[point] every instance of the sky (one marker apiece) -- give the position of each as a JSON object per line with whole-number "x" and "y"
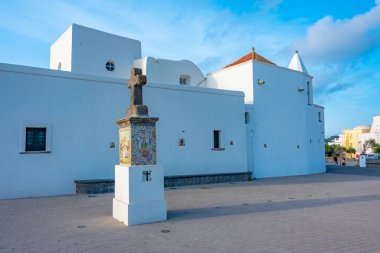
{"x": 338, "y": 41}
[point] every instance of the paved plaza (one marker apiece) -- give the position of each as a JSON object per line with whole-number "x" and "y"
{"x": 316, "y": 213}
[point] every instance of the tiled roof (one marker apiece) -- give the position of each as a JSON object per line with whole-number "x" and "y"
{"x": 250, "y": 56}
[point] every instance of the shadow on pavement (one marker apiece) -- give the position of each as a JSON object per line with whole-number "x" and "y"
{"x": 247, "y": 208}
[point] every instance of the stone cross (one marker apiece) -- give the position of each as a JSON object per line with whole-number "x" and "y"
{"x": 135, "y": 83}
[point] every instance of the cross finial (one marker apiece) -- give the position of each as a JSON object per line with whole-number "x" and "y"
{"x": 137, "y": 78}
{"x": 135, "y": 83}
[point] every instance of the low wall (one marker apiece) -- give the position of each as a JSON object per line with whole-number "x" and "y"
{"x": 373, "y": 163}
{"x": 108, "y": 185}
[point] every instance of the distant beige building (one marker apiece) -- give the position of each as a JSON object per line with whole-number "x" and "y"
{"x": 351, "y": 137}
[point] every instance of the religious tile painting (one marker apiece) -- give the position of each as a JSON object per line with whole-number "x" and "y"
{"x": 143, "y": 144}
{"x": 125, "y": 145}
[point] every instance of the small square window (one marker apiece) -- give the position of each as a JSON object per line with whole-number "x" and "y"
{"x": 182, "y": 81}
{"x": 35, "y": 139}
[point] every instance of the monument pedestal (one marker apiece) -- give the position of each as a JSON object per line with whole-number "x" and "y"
{"x": 139, "y": 182}
{"x": 139, "y": 194}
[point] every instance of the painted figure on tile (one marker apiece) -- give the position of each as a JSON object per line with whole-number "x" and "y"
{"x": 124, "y": 146}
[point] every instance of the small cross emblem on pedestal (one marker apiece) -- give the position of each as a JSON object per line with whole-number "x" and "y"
{"x": 147, "y": 175}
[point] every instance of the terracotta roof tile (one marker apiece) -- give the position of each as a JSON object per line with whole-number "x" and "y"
{"x": 250, "y": 56}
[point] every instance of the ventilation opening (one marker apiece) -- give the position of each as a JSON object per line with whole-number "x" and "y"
{"x": 217, "y": 139}
{"x": 247, "y": 117}
{"x": 184, "y": 79}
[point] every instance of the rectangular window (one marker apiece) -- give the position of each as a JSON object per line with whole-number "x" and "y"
{"x": 309, "y": 99}
{"x": 217, "y": 142}
{"x": 319, "y": 116}
{"x": 35, "y": 139}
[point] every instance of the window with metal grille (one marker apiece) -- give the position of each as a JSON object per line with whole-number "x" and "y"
{"x": 35, "y": 139}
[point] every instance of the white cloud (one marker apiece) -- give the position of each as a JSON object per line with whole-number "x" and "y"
{"x": 211, "y": 36}
{"x": 335, "y": 40}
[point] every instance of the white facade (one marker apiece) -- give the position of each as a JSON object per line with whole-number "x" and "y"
{"x": 170, "y": 72}
{"x": 286, "y": 128}
{"x": 81, "y": 111}
{"x": 79, "y": 107}
{"x": 336, "y": 141}
{"x": 373, "y": 134}
{"x": 86, "y": 51}
{"x": 239, "y": 77}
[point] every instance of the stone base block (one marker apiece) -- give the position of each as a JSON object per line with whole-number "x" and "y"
{"x": 139, "y": 194}
{"x": 137, "y": 110}
{"x": 139, "y": 213}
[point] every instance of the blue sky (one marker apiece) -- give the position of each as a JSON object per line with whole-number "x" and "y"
{"x": 339, "y": 41}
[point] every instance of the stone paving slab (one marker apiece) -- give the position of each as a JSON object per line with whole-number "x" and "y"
{"x": 316, "y": 213}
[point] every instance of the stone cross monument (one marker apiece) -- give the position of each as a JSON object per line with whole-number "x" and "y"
{"x": 139, "y": 181}
{"x": 137, "y": 131}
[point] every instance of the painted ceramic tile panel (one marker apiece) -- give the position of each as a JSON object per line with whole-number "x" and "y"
{"x": 143, "y": 144}
{"x": 125, "y": 145}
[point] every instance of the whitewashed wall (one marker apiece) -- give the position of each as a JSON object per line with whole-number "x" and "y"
{"x": 249, "y": 135}
{"x": 61, "y": 51}
{"x": 316, "y": 131}
{"x": 82, "y": 110}
{"x": 375, "y": 127}
{"x": 169, "y": 71}
{"x": 86, "y": 51}
{"x": 280, "y": 118}
{"x": 285, "y": 122}
{"x": 238, "y": 77}
{"x": 373, "y": 134}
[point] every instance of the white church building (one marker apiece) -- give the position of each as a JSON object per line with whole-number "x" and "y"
{"x": 58, "y": 124}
